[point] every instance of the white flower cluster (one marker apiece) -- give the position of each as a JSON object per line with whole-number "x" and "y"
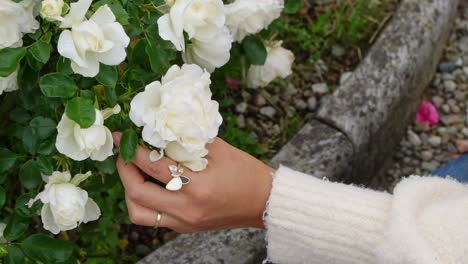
{"x": 65, "y": 204}
{"x": 89, "y": 42}
{"x": 17, "y": 19}
{"x": 178, "y": 115}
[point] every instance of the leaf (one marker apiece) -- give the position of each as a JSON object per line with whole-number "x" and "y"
{"x": 46, "y": 249}
{"x": 128, "y": 145}
{"x": 16, "y": 255}
{"x": 107, "y": 166}
{"x": 44, "y": 166}
{"x": 19, "y": 115}
{"x": 2, "y": 197}
{"x": 57, "y": 84}
{"x": 3, "y": 251}
{"x": 40, "y": 50}
{"x": 30, "y": 139}
{"x": 43, "y": 126}
{"x": 7, "y": 159}
{"x": 30, "y": 175}
{"x": 16, "y": 227}
{"x": 22, "y": 208}
{"x": 292, "y": 6}
{"x": 63, "y": 66}
{"x": 254, "y": 50}
{"x": 158, "y": 58}
{"x": 107, "y": 75}
{"x": 81, "y": 111}
{"x": 9, "y": 60}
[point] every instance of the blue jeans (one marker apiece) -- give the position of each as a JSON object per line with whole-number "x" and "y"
{"x": 456, "y": 169}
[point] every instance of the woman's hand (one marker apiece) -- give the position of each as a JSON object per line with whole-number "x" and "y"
{"x": 231, "y": 192}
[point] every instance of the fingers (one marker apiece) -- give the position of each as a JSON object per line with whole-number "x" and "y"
{"x": 156, "y": 169}
{"x": 147, "y": 193}
{"x": 141, "y": 215}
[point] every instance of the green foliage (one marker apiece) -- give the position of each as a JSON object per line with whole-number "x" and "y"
{"x": 81, "y": 110}
{"x": 128, "y": 145}
{"x": 254, "y": 49}
{"x": 10, "y": 60}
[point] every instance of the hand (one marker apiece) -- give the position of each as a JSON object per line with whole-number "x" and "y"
{"x": 231, "y": 192}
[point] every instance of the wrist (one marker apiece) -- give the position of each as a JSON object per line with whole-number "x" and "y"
{"x": 262, "y": 195}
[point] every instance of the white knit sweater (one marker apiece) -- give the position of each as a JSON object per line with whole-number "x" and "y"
{"x": 310, "y": 220}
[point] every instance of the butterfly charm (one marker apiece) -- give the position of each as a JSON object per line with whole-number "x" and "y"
{"x": 178, "y": 179}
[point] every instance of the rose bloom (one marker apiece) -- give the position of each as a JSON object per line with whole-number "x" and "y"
{"x": 178, "y": 115}
{"x": 89, "y": 42}
{"x": 51, "y": 10}
{"x": 201, "y": 19}
{"x": 427, "y": 114}
{"x": 278, "y": 64}
{"x": 9, "y": 83}
{"x": 79, "y": 143}
{"x": 65, "y": 204}
{"x": 16, "y": 19}
{"x": 247, "y": 17}
{"x": 210, "y": 54}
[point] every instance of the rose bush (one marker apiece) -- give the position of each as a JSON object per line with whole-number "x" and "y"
{"x": 72, "y": 72}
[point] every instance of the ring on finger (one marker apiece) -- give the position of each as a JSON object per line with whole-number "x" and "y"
{"x": 157, "y": 223}
{"x": 178, "y": 179}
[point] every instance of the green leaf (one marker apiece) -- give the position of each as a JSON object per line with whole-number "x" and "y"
{"x": 57, "y": 84}
{"x": 20, "y": 115}
{"x": 158, "y": 58}
{"x": 9, "y": 60}
{"x": 43, "y": 126}
{"x": 46, "y": 249}
{"x": 3, "y": 251}
{"x": 2, "y": 197}
{"x": 7, "y": 159}
{"x": 292, "y": 6}
{"x": 107, "y": 166}
{"x": 128, "y": 145}
{"x": 22, "y": 208}
{"x": 44, "y": 166}
{"x": 16, "y": 227}
{"x": 110, "y": 95}
{"x": 30, "y": 175}
{"x": 81, "y": 111}
{"x": 16, "y": 256}
{"x": 254, "y": 50}
{"x": 63, "y": 66}
{"x": 107, "y": 75}
{"x": 41, "y": 50}
{"x": 30, "y": 139}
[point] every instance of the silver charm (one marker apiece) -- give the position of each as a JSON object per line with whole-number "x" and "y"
{"x": 178, "y": 179}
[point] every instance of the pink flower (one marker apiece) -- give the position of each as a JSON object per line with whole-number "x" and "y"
{"x": 427, "y": 114}
{"x": 231, "y": 82}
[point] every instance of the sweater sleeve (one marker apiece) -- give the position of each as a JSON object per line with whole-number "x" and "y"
{"x": 310, "y": 220}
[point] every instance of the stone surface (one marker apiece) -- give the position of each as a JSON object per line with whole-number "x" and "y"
{"x": 379, "y": 99}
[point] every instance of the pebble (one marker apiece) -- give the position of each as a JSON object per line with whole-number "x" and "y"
{"x": 437, "y": 100}
{"x": 338, "y": 51}
{"x": 414, "y": 138}
{"x": 345, "y": 76}
{"x": 300, "y": 104}
{"x": 447, "y": 67}
{"x": 312, "y": 103}
{"x": 465, "y": 131}
{"x": 430, "y": 166}
{"x": 435, "y": 141}
{"x": 268, "y": 111}
{"x": 455, "y": 109}
{"x": 320, "y": 88}
{"x": 241, "y": 107}
{"x": 260, "y": 101}
{"x": 452, "y": 119}
{"x": 446, "y": 108}
{"x": 450, "y": 85}
{"x": 426, "y": 155}
{"x": 240, "y": 121}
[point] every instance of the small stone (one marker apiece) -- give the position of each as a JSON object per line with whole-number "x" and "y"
{"x": 445, "y": 139}
{"x": 447, "y": 67}
{"x": 312, "y": 103}
{"x": 435, "y": 141}
{"x": 424, "y": 137}
{"x": 451, "y": 102}
{"x": 413, "y": 138}
{"x": 460, "y": 96}
{"x": 430, "y": 166}
{"x": 241, "y": 107}
{"x": 240, "y": 121}
{"x": 320, "y": 88}
{"x": 465, "y": 131}
{"x": 446, "y": 108}
{"x": 300, "y": 104}
{"x": 452, "y": 130}
{"x": 142, "y": 250}
{"x": 345, "y": 76}
{"x": 426, "y": 155}
{"x": 246, "y": 95}
{"x": 450, "y": 85}
{"x": 338, "y": 51}
{"x": 452, "y": 119}
{"x": 260, "y": 101}
{"x": 290, "y": 89}
{"x": 451, "y": 148}
{"x": 169, "y": 236}
{"x": 275, "y": 130}
{"x": 268, "y": 111}
{"x": 442, "y": 131}
{"x": 455, "y": 109}
{"x": 437, "y": 100}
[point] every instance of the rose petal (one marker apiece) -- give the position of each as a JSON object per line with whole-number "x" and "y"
{"x": 114, "y": 56}
{"x": 48, "y": 220}
{"x": 103, "y": 15}
{"x": 92, "y": 211}
{"x": 66, "y": 48}
{"x": 104, "y": 151}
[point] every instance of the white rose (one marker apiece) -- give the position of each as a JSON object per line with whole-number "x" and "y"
{"x": 9, "y": 83}
{"x": 201, "y": 19}
{"x": 247, "y": 17}
{"x": 210, "y": 54}
{"x": 178, "y": 115}
{"x": 16, "y": 20}
{"x": 79, "y": 143}
{"x": 2, "y": 228}
{"x": 278, "y": 64}
{"x": 89, "y": 42}
{"x": 65, "y": 204}
{"x": 51, "y": 10}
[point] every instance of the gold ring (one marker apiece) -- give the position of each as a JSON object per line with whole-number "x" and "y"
{"x": 178, "y": 179}
{"x": 158, "y": 220}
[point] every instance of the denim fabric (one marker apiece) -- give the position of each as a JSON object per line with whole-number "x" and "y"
{"x": 457, "y": 169}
